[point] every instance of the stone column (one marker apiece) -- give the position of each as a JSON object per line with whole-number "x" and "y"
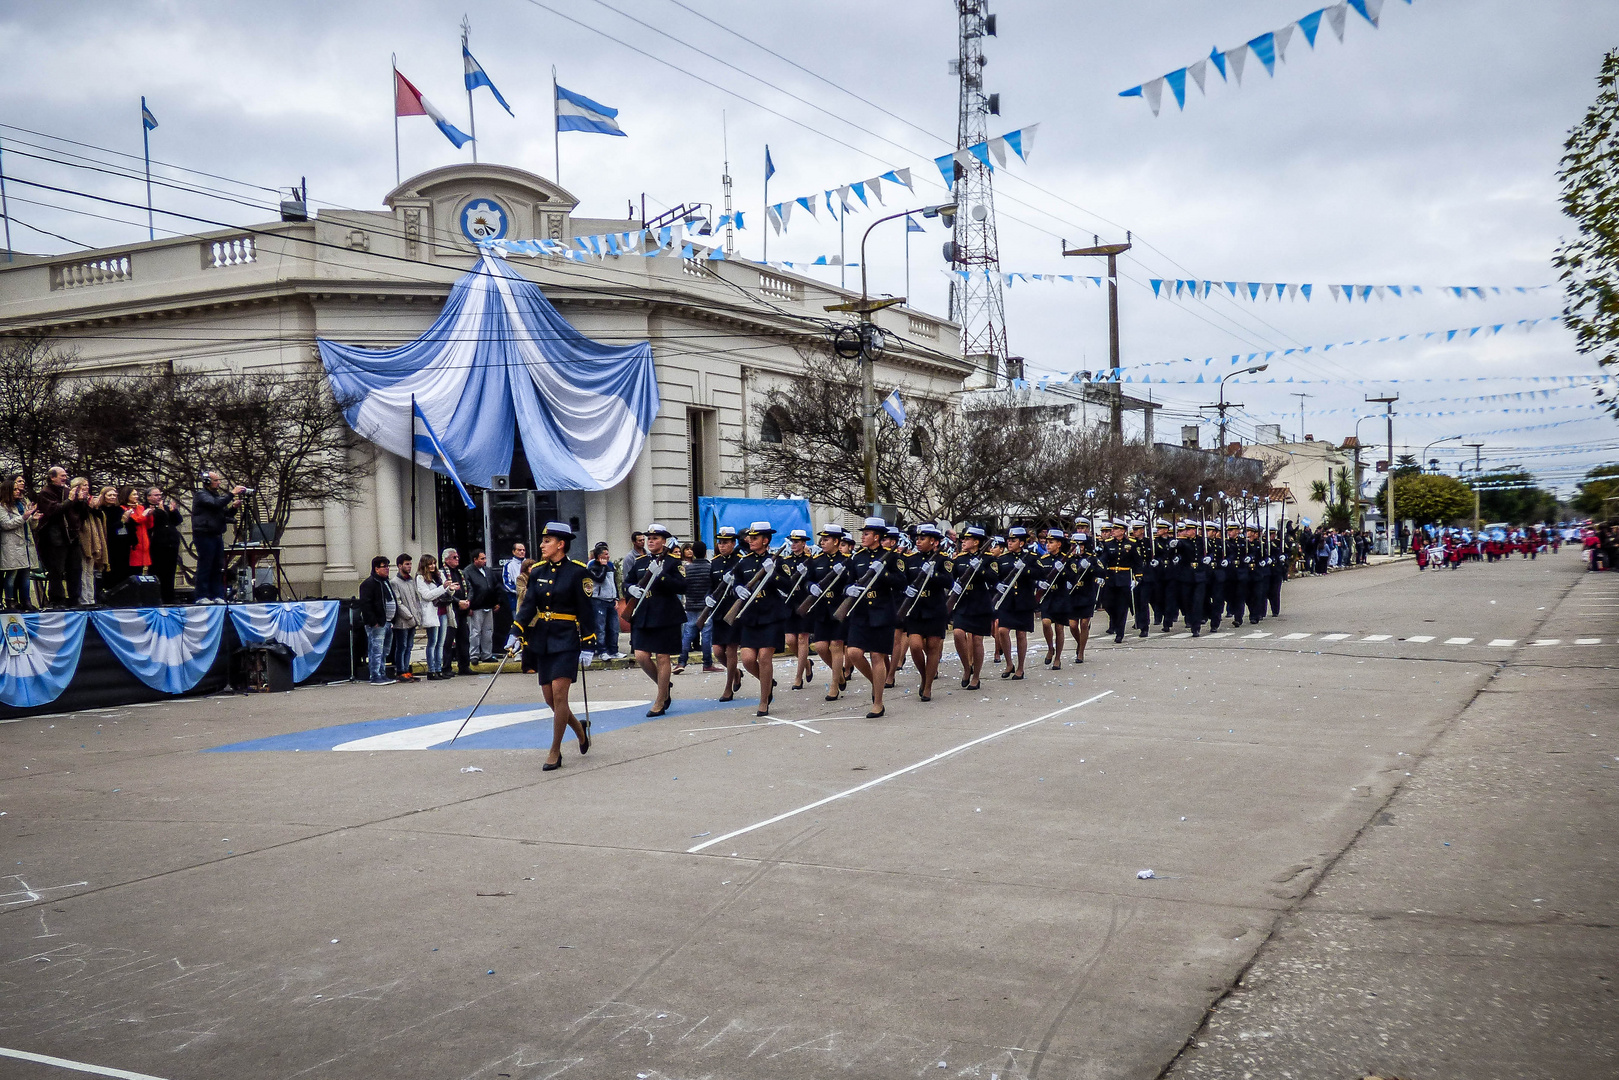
{"x": 642, "y": 504}
{"x": 595, "y": 524}
{"x": 339, "y": 578}
{"x": 390, "y": 508}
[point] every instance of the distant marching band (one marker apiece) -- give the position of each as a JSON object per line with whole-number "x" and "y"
{"x": 861, "y": 603}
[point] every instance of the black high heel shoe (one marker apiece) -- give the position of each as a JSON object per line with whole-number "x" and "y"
{"x": 551, "y": 766}
{"x": 668, "y": 701}
{"x": 584, "y": 743}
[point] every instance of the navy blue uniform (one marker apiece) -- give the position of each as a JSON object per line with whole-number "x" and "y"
{"x": 928, "y": 617}
{"x": 660, "y": 615}
{"x": 556, "y": 618}
{"x": 870, "y": 625}
{"x": 975, "y": 588}
{"x": 764, "y": 623}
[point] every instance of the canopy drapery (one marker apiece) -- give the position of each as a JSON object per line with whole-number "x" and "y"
{"x": 498, "y": 360}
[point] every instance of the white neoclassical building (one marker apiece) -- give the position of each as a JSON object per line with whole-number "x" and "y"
{"x": 260, "y": 297}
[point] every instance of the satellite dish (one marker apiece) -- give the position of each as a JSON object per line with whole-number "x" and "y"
{"x": 980, "y": 212}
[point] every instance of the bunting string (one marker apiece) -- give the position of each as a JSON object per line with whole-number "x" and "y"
{"x": 850, "y": 198}
{"x": 1267, "y": 48}
{"x": 1200, "y": 288}
{"x": 1019, "y": 142}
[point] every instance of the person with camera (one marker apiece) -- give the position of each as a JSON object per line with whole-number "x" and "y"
{"x": 455, "y": 606}
{"x": 212, "y": 507}
{"x": 604, "y": 595}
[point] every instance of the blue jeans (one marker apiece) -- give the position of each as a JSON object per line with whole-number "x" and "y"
{"x": 376, "y": 646}
{"x": 689, "y": 631}
{"x": 606, "y": 626}
{"x": 435, "y": 649}
{"x": 210, "y": 579}
{"x": 403, "y": 642}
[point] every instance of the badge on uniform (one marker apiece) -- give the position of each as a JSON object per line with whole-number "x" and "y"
{"x": 590, "y": 586}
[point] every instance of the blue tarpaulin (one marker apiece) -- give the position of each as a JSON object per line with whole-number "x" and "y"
{"x": 784, "y": 514}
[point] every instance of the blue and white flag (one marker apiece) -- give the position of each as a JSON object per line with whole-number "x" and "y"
{"x": 911, "y": 225}
{"x": 169, "y": 649}
{"x": 39, "y": 655}
{"x": 895, "y": 408}
{"x": 476, "y": 77}
{"x": 575, "y": 112}
{"x": 428, "y": 451}
{"x": 770, "y": 166}
{"x": 148, "y": 121}
{"x": 305, "y": 626}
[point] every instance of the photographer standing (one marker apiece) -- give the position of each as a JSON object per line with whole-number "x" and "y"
{"x": 211, "y": 508}
{"x": 165, "y": 540}
{"x": 484, "y": 593}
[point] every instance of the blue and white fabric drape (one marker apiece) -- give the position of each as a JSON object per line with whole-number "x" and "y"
{"x": 169, "y": 649}
{"x": 39, "y": 656}
{"x": 500, "y": 359}
{"x": 306, "y": 627}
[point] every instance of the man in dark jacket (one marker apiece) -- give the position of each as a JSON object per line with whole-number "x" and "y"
{"x": 378, "y": 606}
{"x": 211, "y": 508}
{"x": 457, "y": 607}
{"x": 484, "y": 592}
{"x": 52, "y": 536}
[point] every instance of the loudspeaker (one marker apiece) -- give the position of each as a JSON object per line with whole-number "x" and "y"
{"x": 136, "y": 591}
{"x": 500, "y": 482}
{"x": 264, "y": 668}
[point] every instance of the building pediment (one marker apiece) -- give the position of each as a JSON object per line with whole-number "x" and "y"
{"x": 451, "y": 208}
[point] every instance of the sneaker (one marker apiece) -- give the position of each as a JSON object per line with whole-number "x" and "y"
{"x": 382, "y": 682}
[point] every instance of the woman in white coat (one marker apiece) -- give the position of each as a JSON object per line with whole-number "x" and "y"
{"x": 430, "y": 589}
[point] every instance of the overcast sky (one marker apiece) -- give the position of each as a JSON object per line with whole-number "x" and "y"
{"x": 1423, "y": 152}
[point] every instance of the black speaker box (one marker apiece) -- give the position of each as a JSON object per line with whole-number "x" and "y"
{"x": 137, "y": 591}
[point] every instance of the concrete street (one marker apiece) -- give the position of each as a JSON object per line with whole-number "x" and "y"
{"x": 1382, "y": 838}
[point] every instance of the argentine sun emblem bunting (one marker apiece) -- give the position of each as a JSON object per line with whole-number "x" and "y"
{"x": 16, "y": 632}
{"x": 483, "y": 220}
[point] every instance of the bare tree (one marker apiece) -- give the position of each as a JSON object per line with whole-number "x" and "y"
{"x": 33, "y": 405}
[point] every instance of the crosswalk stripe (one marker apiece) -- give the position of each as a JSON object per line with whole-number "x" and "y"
{"x": 1293, "y": 637}
{"x": 1333, "y": 637}
{"x": 1458, "y": 641}
{"x": 1219, "y": 633}
{"x": 1548, "y": 641}
{"x": 1256, "y": 634}
{"x": 1588, "y": 641}
{"x": 1182, "y": 634}
{"x": 1502, "y": 642}
{"x": 1421, "y": 638}
{"x": 1377, "y": 637}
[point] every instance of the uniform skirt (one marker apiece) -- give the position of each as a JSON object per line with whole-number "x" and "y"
{"x": 724, "y": 633}
{"x": 828, "y": 629}
{"x": 796, "y": 624}
{"x": 973, "y": 624}
{"x": 925, "y": 627}
{"x": 1016, "y": 620}
{"x": 770, "y": 635}
{"x": 655, "y": 639}
{"x": 556, "y": 665}
{"x": 1082, "y": 605}
{"x": 861, "y": 635}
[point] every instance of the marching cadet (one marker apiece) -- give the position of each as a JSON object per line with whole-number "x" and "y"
{"x": 928, "y": 570}
{"x": 1056, "y": 600}
{"x": 555, "y": 624}
{"x": 1189, "y": 580}
{"x": 1259, "y": 579}
{"x": 875, "y": 579}
{"x": 895, "y": 542}
{"x": 760, "y": 609}
{"x": 1213, "y": 558}
{"x": 846, "y": 546}
{"x": 972, "y": 594}
{"x": 828, "y": 571}
{"x": 1278, "y": 572}
{"x": 725, "y": 635}
{"x": 1141, "y": 598}
{"x": 657, "y": 599}
{"x": 1238, "y": 574}
{"x": 997, "y": 548}
{"x": 1152, "y": 593}
{"x": 1015, "y": 600}
{"x": 796, "y": 563}
{"x": 1121, "y": 561}
{"x": 1086, "y": 576}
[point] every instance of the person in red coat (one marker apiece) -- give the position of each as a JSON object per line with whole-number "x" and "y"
{"x": 138, "y": 522}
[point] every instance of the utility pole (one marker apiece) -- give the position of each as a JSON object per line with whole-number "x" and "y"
{"x": 977, "y": 301}
{"x": 1388, "y": 410}
{"x": 1112, "y": 253}
{"x": 1301, "y": 398}
{"x": 1478, "y": 467}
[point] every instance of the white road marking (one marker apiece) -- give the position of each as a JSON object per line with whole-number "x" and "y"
{"x": 1182, "y": 634}
{"x": 1548, "y": 641}
{"x": 429, "y": 735}
{"x": 1503, "y": 642}
{"x": 1218, "y": 633}
{"x": 1333, "y": 637}
{"x": 1256, "y": 634}
{"x": 1588, "y": 641}
{"x": 76, "y": 1066}
{"x": 1293, "y": 637}
{"x": 1377, "y": 637}
{"x": 1421, "y": 638}
{"x": 896, "y": 773}
{"x": 1458, "y": 641}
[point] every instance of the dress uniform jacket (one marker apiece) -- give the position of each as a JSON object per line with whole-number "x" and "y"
{"x": 974, "y": 607}
{"x": 556, "y": 618}
{"x": 661, "y": 614}
{"x": 870, "y": 625}
{"x": 1019, "y": 572}
{"x": 928, "y": 615}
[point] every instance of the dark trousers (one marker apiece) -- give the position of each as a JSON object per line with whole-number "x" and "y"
{"x": 1214, "y": 603}
{"x": 1236, "y": 599}
{"x": 54, "y": 558}
{"x": 165, "y": 563}
{"x": 463, "y": 638}
{"x": 1116, "y": 602}
{"x": 1187, "y": 598}
{"x": 1258, "y": 593}
{"x": 1276, "y": 594}
{"x": 210, "y": 580}
{"x": 1143, "y": 597}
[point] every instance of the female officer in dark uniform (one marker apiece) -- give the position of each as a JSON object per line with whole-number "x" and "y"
{"x": 656, "y": 585}
{"x": 556, "y": 626}
{"x": 875, "y": 579}
{"x": 764, "y": 621}
{"x": 722, "y": 567}
{"x": 973, "y": 617}
{"x": 797, "y": 628}
{"x": 827, "y": 570}
{"x": 924, "y": 625}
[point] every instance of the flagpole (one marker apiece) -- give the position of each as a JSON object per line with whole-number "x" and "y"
{"x": 4, "y": 214}
{"x": 908, "y": 261}
{"x": 146, "y": 145}
{"x": 472, "y": 114}
{"x": 765, "y": 210}
{"x": 556, "y": 130}
{"x": 843, "y": 262}
{"x": 411, "y": 458}
{"x": 393, "y": 92}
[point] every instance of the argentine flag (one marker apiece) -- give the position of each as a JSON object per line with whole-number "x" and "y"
{"x": 895, "y": 408}
{"x": 476, "y": 77}
{"x": 575, "y": 112}
{"x": 430, "y": 453}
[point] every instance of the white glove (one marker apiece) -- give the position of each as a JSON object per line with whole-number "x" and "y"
{"x": 1207, "y": 560}
{"x": 815, "y": 590}
{"x": 837, "y": 567}
{"x": 852, "y": 590}
{"x": 729, "y": 579}
{"x": 1002, "y": 587}
{"x": 742, "y": 592}
{"x": 586, "y": 657}
{"x": 1057, "y": 565}
{"x": 513, "y": 642}
{"x": 709, "y": 601}
{"x": 637, "y": 592}
{"x": 1042, "y": 585}
{"x": 910, "y": 590}
{"x": 1085, "y": 564}
{"x": 973, "y": 563}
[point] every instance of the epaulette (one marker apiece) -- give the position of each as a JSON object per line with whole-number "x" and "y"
{"x": 579, "y": 564}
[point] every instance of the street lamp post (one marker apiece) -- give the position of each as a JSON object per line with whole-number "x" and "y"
{"x": 1388, "y": 414}
{"x": 1422, "y": 462}
{"x": 869, "y": 346}
{"x": 1222, "y": 406}
{"x": 1112, "y": 253}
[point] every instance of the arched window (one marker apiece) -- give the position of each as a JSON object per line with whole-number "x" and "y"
{"x": 774, "y": 425}
{"x": 921, "y": 445}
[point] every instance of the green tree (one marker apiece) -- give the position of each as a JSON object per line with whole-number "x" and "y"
{"x": 1589, "y": 262}
{"x": 1599, "y": 485}
{"x": 1523, "y": 504}
{"x": 1428, "y": 500}
{"x": 1339, "y": 502}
